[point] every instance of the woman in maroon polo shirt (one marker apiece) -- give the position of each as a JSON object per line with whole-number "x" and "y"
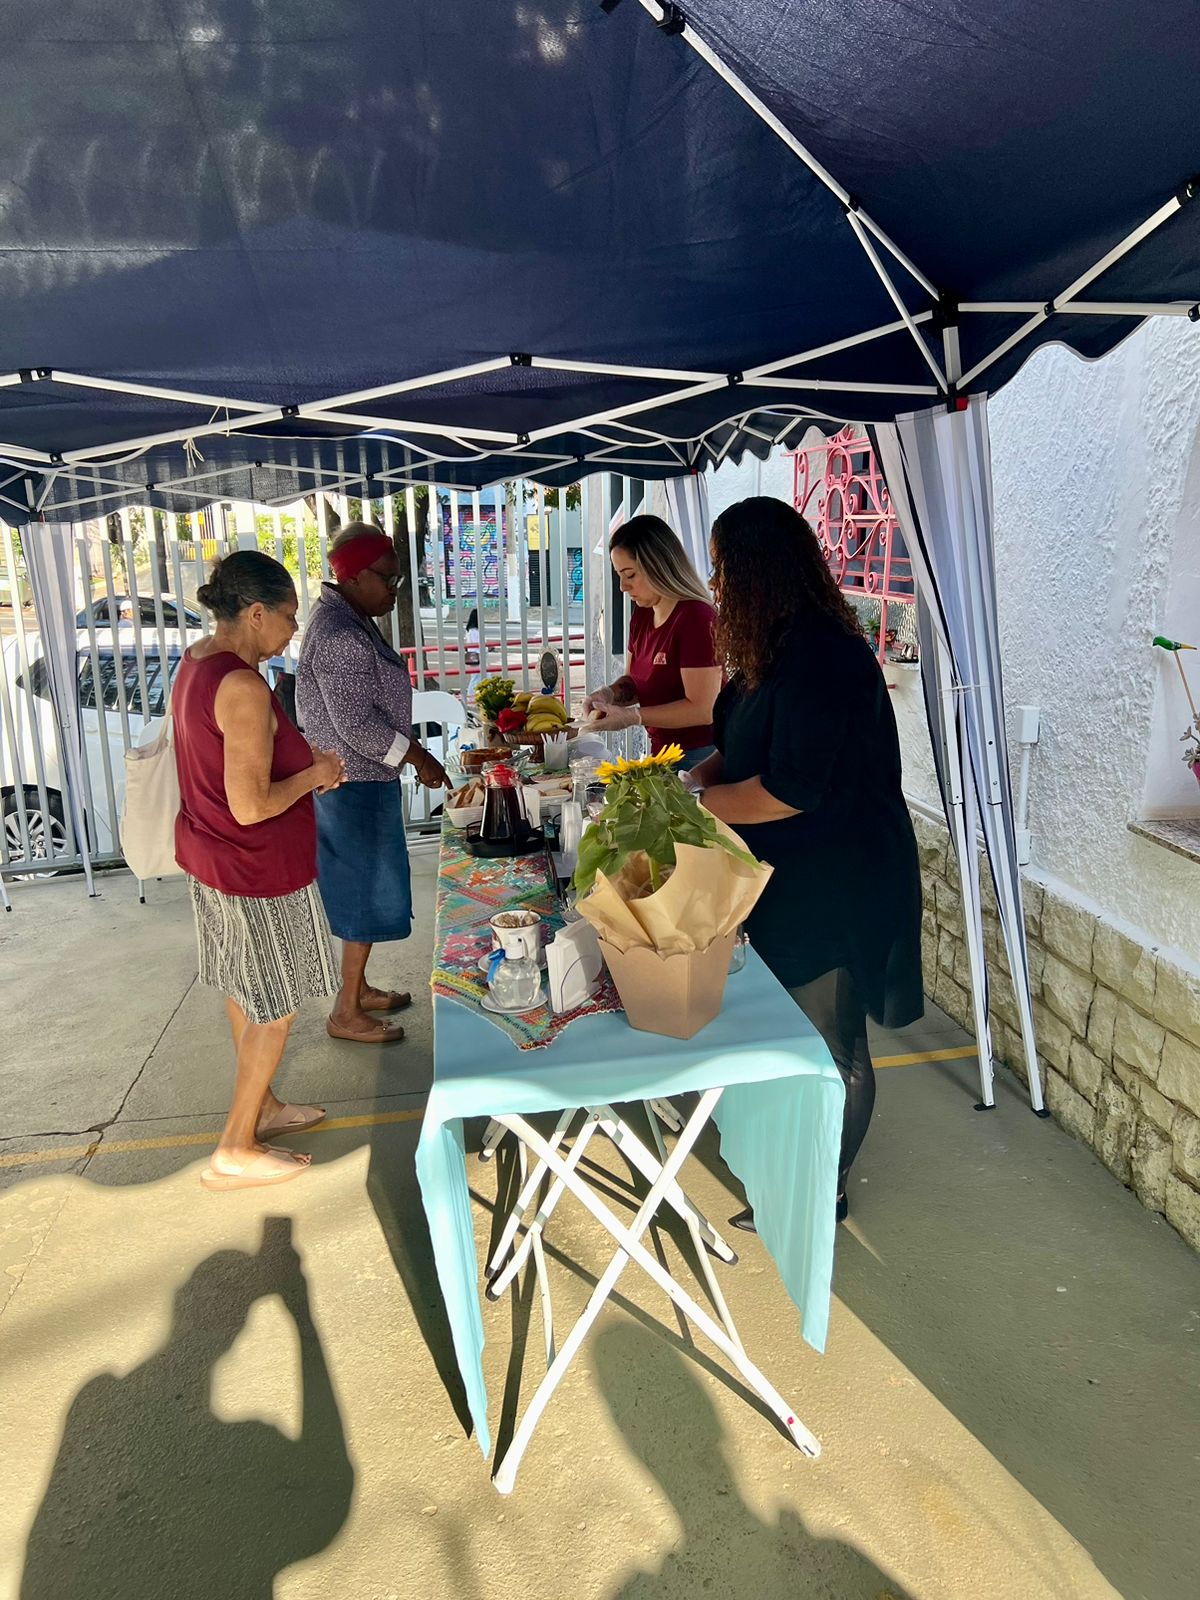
{"x": 672, "y": 675}
{"x": 246, "y": 838}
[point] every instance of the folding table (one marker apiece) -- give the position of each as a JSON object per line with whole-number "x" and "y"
{"x": 761, "y": 1073}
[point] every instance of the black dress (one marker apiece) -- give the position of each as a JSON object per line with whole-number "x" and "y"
{"x": 846, "y": 891}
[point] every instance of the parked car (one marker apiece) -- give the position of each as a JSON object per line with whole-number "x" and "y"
{"x": 100, "y": 692}
{"x": 100, "y": 695}
{"x": 110, "y": 611}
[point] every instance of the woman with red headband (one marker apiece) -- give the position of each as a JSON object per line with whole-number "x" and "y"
{"x": 354, "y": 696}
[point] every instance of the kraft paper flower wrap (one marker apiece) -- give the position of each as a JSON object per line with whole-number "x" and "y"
{"x": 665, "y": 885}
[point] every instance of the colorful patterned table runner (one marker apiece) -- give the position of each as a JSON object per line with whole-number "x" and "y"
{"x": 470, "y": 891}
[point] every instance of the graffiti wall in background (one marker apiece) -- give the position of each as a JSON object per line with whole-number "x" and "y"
{"x": 459, "y": 561}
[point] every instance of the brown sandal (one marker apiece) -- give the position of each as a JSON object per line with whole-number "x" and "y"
{"x": 290, "y": 1119}
{"x": 378, "y": 1033}
{"x": 391, "y": 1000}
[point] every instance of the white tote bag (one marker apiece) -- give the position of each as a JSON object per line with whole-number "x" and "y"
{"x": 151, "y": 806}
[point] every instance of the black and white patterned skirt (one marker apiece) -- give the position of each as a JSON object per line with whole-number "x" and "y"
{"x": 266, "y": 954}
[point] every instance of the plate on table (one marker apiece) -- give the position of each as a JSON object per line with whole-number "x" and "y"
{"x": 489, "y": 1004}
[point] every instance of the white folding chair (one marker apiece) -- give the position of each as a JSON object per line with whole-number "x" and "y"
{"x": 443, "y": 709}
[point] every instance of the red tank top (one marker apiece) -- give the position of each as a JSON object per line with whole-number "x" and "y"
{"x": 274, "y": 857}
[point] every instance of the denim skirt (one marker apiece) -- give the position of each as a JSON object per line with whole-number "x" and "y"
{"x": 362, "y": 862}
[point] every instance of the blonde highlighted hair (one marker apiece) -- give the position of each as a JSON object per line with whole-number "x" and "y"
{"x": 659, "y": 552}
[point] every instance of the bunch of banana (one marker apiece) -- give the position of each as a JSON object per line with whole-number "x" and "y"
{"x": 543, "y": 714}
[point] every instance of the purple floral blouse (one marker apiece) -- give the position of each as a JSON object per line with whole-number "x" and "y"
{"x": 353, "y": 692}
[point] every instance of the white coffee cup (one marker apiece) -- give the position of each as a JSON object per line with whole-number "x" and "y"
{"x": 524, "y": 940}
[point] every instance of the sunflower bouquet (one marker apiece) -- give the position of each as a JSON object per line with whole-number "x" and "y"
{"x": 647, "y": 810}
{"x": 665, "y": 885}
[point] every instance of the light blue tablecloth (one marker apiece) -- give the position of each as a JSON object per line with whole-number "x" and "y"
{"x": 780, "y": 1122}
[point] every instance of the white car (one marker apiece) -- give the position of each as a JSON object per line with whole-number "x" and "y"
{"x": 103, "y": 734}
{"x": 27, "y": 725}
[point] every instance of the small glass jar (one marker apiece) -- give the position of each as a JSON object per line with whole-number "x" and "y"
{"x": 737, "y": 958}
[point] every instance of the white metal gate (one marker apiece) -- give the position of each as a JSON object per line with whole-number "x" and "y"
{"x": 533, "y": 565}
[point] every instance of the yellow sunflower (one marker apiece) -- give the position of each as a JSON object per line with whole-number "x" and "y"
{"x": 670, "y": 756}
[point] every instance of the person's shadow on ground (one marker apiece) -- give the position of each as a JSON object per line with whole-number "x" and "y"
{"x": 152, "y": 1497}
{"x": 668, "y": 1421}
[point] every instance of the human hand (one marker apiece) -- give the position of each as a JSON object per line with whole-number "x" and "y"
{"x": 611, "y": 719}
{"x": 432, "y": 773}
{"x": 427, "y": 769}
{"x": 328, "y": 768}
{"x": 597, "y": 698}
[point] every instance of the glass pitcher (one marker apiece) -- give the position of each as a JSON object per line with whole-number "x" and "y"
{"x": 503, "y": 815}
{"x": 514, "y": 982}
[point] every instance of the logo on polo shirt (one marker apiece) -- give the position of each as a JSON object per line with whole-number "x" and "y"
{"x": 660, "y": 659}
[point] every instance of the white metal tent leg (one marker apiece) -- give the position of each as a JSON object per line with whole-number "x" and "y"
{"x": 630, "y": 1248}
{"x": 962, "y": 833}
{"x": 1012, "y": 915}
{"x": 985, "y": 722}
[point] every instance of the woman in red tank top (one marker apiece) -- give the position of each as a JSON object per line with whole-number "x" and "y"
{"x": 246, "y": 838}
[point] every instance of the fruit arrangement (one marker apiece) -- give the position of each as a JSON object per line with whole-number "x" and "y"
{"x": 532, "y": 714}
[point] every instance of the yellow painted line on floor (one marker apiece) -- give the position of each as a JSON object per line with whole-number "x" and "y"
{"x": 960, "y": 1052}
{"x": 374, "y": 1119}
{"x": 179, "y": 1141}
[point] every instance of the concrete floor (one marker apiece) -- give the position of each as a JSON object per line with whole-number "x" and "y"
{"x": 246, "y": 1396}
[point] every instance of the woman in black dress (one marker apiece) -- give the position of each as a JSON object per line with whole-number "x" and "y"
{"x": 808, "y": 772}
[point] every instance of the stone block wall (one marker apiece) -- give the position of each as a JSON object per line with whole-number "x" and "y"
{"x": 1118, "y": 1027}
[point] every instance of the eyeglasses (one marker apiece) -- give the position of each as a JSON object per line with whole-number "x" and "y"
{"x": 392, "y": 579}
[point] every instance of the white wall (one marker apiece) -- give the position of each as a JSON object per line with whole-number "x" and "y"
{"x": 1095, "y": 468}
{"x": 1097, "y": 476}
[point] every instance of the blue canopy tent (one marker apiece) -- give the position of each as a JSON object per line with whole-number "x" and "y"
{"x": 250, "y": 250}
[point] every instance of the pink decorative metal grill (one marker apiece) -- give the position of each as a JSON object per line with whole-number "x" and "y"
{"x": 838, "y": 487}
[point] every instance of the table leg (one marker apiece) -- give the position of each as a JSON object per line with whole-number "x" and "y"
{"x": 630, "y": 1248}
{"x": 505, "y": 1274}
{"x": 493, "y": 1136}
{"x": 636, "y": 1153}
{"x": 529, "y": 1188}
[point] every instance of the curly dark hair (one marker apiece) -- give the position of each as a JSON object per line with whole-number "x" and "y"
{"x": 769, "y": 572}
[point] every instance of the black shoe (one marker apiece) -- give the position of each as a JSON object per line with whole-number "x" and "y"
{"x": 843, "y": 1207}
{"x": 744, "y": 1220}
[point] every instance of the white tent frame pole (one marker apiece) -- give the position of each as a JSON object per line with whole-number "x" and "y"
{"x": 847, "y": 386}
{"x": 958, "y": 775}
{"x": 318, "y": 411}
{"x": 1085, "y": 308}
{"x": 633, "y": 409}
{"x": 883, "y": 331}
{"x": 603, "y": 370}
{"x": 224, "y": 402}
{"x": 860, "y": 233}
{"x": 687, "y": 33}
{"x": 1130, "y": 242}
{"x": 965, "y": 836}
{"x": 1008, "y": 894}
{"x": 15, "y": 454}
{"x": 251, "y": 414}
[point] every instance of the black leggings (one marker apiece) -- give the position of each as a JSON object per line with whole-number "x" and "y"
{"x": 831, "y": 1004}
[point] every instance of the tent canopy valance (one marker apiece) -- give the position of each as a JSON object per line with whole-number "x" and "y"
{"x": 539, "y": 240}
